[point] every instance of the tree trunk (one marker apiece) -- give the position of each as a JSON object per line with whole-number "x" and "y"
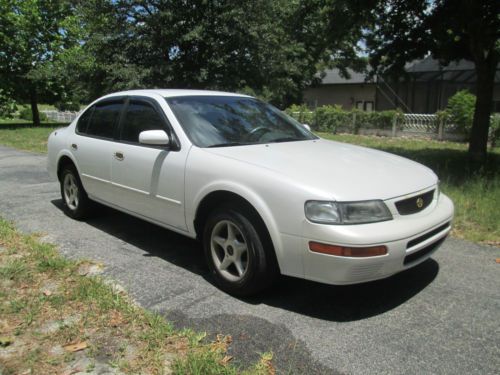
{"x": 34, "y": 106}
{"x": 478, "y": 142}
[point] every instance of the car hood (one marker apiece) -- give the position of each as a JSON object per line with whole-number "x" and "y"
{"x": 341, "y": 171}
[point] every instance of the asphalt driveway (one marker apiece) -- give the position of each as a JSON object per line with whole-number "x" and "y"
{"x": 442, "y": 317}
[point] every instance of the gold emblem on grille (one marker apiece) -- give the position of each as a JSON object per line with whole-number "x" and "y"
{"x": 420, "y": 202}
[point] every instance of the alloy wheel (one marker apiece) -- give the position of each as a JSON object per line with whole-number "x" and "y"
{"x": 229, "y": 250}
{"x": 71, "y": 191}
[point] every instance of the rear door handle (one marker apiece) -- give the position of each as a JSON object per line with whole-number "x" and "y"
{"x": 119, "y": 156}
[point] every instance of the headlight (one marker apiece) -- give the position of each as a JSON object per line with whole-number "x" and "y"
{"x": 325, "y": 212}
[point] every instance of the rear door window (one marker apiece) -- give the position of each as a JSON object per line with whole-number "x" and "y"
{"x": 139, "y": 116}
{"x": 83, "y": 121}
{"x": 104, "y": 119}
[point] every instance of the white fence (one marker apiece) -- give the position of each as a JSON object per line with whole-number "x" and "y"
{"x": 58, "y": 116}
{"x": 420, "y": 122}
{"x": 429, "y": 125}
{"x": 411, "y": 125}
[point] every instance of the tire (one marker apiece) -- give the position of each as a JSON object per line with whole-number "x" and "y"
{"x": 76, "y": 203}
{"x": 239, "y": 252}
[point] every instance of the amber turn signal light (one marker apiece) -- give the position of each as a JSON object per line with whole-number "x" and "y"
{"x": 343, "y": 251}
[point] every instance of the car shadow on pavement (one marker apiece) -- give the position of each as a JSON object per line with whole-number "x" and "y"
{"x": 321, "y": 301}
{"x": 348, "y": 303}
{"x": 153, "y": 239}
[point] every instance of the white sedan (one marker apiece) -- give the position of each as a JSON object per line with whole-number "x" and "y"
{"x": 261, "y": 192}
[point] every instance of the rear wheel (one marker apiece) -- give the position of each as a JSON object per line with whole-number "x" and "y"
{"x": 240, "y": 258}
{"x": 76, "y": 203}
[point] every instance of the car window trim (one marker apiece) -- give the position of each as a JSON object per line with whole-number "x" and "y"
{"x": 175, "y": 144}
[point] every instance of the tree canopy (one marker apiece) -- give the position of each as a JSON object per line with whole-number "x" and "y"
{"x": 78, "y": 50}
{"x": 399, "y": 31}
{"x": 268, "y": 48}
{"x": 39, "y": 40}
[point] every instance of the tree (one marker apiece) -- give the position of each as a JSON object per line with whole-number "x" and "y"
{"x": 400, "y": 31}
{"x": 268, "y": 48}
{"x": 39, "y": 40}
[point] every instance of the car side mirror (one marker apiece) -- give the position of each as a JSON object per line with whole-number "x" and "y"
{"x": 154, "y": 137}
{"x": 307, "y": 127}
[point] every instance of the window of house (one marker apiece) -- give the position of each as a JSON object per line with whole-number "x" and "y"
{"x": 368, "y": 106}
{"x": 359, "y": 105}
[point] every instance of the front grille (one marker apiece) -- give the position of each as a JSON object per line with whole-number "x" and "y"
{"x": 423, "y": 252}
{"x": 415, "y": 204}
{"x": 426, "y": 236}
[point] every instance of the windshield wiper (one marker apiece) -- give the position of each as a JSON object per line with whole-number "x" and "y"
{"x": 229, "y": 144}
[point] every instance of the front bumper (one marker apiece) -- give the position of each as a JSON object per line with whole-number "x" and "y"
{"x": 410, "y": 240}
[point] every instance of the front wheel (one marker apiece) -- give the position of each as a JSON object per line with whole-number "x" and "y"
{"x": 236, "y": 253}
{"x": 76, "y": 203}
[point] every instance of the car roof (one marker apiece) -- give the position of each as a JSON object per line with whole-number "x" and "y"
{"x": 175, "y": 92}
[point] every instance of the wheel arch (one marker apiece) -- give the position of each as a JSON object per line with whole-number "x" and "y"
{"x": 216, "y": 197}
{"x": 64, "y": 159}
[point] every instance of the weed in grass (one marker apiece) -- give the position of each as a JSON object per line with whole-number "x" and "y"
{"x": 195, "y": 338}
{"x": 90, "y": 367}
{"x": 69, "y": 332}
{"x": 14, "y": 270}
{"x": 33, "y": 309}
{"x": 51, "y": 264}
{"x": 17, "y": 305}
{"x": 33, "y": 357}
{"x": 68, "y": 357}
{"x": 92, "y": 290}
{"x": 54, "y": 361}
{"x": 56, "y": 301}
{"x": 205, "y": 362}
{"x": 159, "y": 328}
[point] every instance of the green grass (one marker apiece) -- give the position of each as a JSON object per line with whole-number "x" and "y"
{"x": 474, "y": 189}
{"x": 4, "y": 121}
{"x": 94, "y": 313}
{"x": 28, "y": 139}
{"x": 13, "y": 270}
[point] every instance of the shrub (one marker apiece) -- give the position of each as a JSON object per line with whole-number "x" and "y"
{"x": 329, "y": 118}
{"x": 332, "y": 118}
{"x": 376, "y": 120}
{"x": 460, "y": 109}
{"x": 302, "y": 114}
{"x": 26, "y": 114}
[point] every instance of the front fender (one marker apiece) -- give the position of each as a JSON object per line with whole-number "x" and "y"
{"x": 245, "y": 192}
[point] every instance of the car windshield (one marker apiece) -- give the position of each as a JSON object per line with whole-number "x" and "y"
{"x": 221, "y": 121}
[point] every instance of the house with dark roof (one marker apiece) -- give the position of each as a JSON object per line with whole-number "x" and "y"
{"x": 425, "y": 88}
